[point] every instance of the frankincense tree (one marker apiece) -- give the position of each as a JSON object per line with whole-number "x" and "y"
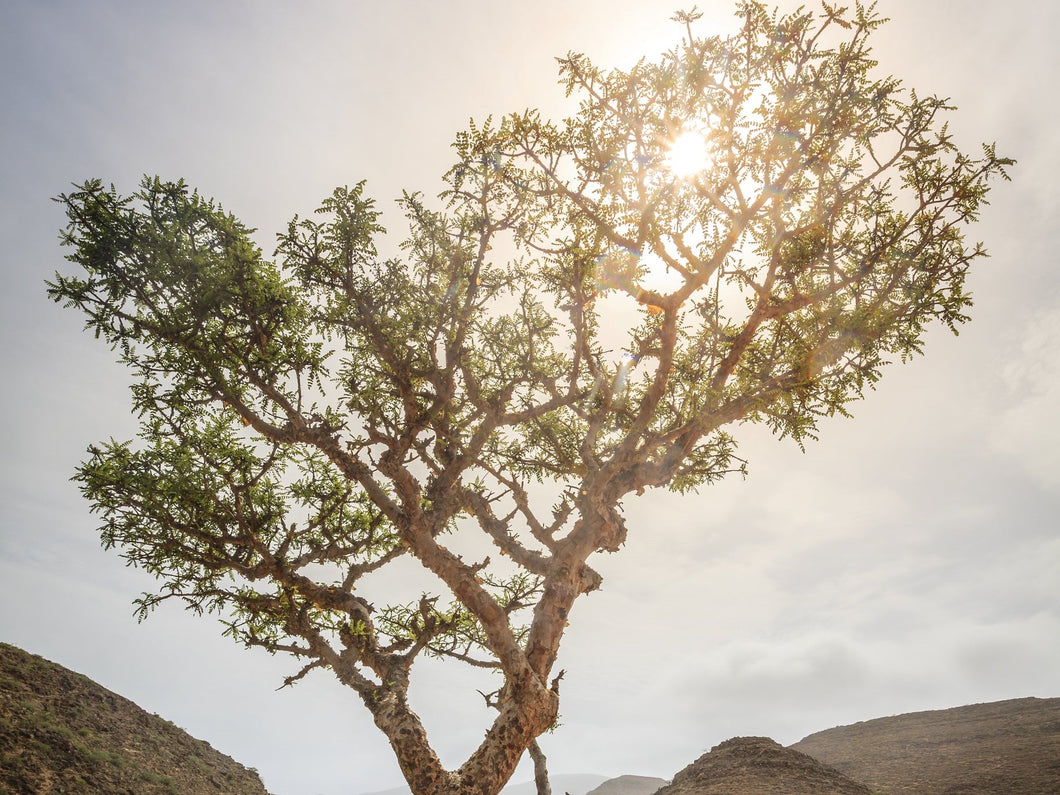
{"x": 520, "y": 370}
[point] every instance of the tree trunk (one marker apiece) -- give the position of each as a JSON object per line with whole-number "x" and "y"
{"x": 525, "y": 711}
{"x": 544, "y": 787}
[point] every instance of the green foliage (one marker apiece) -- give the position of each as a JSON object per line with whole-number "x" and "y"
{"x": 522, "y": 367}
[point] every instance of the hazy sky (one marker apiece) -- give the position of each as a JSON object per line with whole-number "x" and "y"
{"x": 908, "y": 561}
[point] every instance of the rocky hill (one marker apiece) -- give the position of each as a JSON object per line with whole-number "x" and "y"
{"x": 630, "y": 785}
{"x": 1003, "y": 748}
{"x": 760, "y": 766}
{"x": 62, "y": 732}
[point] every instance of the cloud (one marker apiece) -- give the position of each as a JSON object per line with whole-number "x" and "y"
{"x": 1027, "y": 428}
{"x": 1006, "y": 658}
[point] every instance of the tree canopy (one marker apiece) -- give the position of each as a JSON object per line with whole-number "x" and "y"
{"x": 744, "y": 231}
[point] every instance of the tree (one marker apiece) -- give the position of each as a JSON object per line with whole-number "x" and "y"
{"x": 308, "y": 421}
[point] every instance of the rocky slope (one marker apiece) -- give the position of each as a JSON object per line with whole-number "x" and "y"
{"x": 1004, "y": 748}
{"x": 759, "y": 766}
{"x": 62, "y": 732}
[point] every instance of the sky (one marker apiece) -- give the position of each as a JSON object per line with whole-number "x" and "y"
{"x": 909, "y": 560}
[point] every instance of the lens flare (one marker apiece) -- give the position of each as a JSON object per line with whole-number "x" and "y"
{"x": 688, "y": 154}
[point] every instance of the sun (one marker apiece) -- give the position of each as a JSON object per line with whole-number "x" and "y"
{"x": 688, "y": 154}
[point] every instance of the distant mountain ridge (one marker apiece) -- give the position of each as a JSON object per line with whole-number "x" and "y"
{"x": 630, "y": 785}
{"x": 62, "y": 732}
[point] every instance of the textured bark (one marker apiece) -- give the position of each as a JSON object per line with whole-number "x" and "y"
{"x": 418, "y": 761}
{"x": 525, "y": 711}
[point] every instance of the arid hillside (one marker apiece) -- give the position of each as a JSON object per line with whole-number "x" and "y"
{"x": 759, "y": 766}
{"x": 62, "y": 732}
{"x": 1003, "y": 748}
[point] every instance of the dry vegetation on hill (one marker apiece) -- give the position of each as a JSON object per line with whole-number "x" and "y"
{"x": 1003, "y": 748}
{"x": 62, "y": 732}
{"x": 759, "y": 766}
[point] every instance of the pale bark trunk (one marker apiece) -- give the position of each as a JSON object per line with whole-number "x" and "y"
{"x": 525, "y": 712}
{"x": 544, "y": 787}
